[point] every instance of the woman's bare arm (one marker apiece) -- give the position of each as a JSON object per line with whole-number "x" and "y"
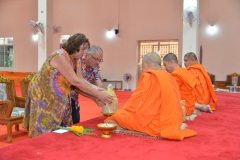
{"x": 62, "y": 64}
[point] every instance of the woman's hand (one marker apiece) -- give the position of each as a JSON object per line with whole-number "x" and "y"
{"x": 98, "y": 102}
{"x": 103, "y": 98}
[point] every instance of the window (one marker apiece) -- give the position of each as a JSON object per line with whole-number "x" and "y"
{"x": 6, "y": 52}
{"x": 161, "y": 47}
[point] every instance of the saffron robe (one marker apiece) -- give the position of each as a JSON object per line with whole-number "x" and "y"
{"x": 204, "y": 90}
{"x": 186, "y": 83}
{"x": 154, "y": 107}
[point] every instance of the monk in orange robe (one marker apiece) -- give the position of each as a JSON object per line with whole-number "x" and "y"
{"x": 154, "y": 106}
{"x": 185, "y": 80}
{"x": 187, "y": 83}
{"x": 204, "y": 91}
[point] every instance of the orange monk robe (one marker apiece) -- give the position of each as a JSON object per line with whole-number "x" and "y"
{"x": 186, "y": 83}
{"x": 204, "y": 90}
{"x": 154, "y": 107}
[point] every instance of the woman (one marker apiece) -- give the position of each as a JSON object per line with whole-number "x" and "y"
{"x": 48, "y": 99}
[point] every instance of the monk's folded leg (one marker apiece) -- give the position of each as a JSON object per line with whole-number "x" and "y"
{"x": 203, "y": 107}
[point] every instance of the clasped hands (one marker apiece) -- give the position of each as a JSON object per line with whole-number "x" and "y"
{"x": 103, "y": 98}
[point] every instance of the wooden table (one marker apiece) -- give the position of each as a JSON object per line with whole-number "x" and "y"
{"x": 116, "y": 84}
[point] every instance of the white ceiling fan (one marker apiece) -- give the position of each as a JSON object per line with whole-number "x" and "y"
{"x": 190, "y": 15}
{"x": 37, "y": 25}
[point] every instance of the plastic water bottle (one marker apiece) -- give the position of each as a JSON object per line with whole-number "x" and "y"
{"x": 230, "y": 89}
{"x": 235, "y": 88}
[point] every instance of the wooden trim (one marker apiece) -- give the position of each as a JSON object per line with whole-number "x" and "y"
{"x": 220, "y": 84}
{"x": 116, "y": 84}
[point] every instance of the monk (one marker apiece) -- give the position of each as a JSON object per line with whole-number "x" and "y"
{"x": 186, "y": 82}
{"x": 204, "y": 91}
{"x": 154, "y": 106}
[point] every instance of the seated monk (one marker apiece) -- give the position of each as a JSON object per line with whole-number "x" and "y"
{"x": 185, "y": 80}
{"x": 154, "y": 106}
{"x": 204, "y": 91}
{"x": 186, "y": 83}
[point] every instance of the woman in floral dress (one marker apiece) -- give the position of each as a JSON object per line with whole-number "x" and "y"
{"x": 48, "y": 99}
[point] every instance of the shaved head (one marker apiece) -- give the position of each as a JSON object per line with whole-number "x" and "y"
{"x": 170, "y": 62}
{"x": 190, "y": 59}
{"x": 151, "y": 61}
{"x": 191, "y": 55}
{"x": 170, "y": 56}
{"x": 153, "y": 58}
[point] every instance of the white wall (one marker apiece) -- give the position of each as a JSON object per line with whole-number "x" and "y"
{"x": 15, "y": 16}
{"x": 138, "y": 20}
{"x": 221, "y": 52}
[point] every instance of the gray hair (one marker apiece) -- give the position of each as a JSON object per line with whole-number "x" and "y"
{"x": 152, "y": 58}
{"x": 93, "y": 49}
{"x": 170, "y": 56}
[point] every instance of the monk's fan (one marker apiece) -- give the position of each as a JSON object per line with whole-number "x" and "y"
{"x": 110, "y": 109}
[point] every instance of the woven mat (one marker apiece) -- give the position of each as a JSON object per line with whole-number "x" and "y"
{"x": 135, "y": 133}
{"x": 121, "y": 130}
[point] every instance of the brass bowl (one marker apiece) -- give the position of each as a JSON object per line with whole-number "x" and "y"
{"x": 106, "y": 129}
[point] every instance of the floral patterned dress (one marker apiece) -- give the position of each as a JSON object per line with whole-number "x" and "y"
{"x": 48, "y": 99}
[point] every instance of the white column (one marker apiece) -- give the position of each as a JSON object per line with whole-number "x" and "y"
{"x": 190, "y": 32}
{"x": 45, "y": 38}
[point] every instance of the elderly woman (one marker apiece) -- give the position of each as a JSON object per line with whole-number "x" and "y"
{"x": 48, "y": 99}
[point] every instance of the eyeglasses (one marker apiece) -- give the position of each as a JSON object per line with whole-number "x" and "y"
{"x": 97, "y": 60}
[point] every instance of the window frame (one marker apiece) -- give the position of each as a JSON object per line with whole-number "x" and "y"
{"x": 7, "y": 42}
